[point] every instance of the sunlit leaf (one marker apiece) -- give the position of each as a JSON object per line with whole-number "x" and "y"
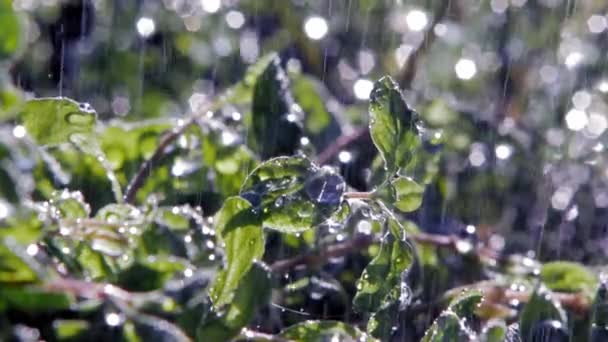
{"x": 52, "y": 121}
{"x": 392, "y": 124}
{"x": 382, "y": 278}
{"x": 568, "y": 277}
{"x": 252, "y": 293}
{"x": 240, "y": 228}
{"x": 404, "y": 193}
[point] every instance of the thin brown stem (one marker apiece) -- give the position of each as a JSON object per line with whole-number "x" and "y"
{"x": 322, "y": 256}
{"x": 357, "y": 195}
{"x": 145, "y": 168}
{"x": 360, "y": 242}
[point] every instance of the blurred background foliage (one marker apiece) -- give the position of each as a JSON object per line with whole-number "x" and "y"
{"x": 518, "y": 88}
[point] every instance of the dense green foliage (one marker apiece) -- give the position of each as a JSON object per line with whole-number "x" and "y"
{"x": 205, "y": 193}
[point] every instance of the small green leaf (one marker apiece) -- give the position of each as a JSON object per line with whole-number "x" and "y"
{"x": 253, "y": 292}
{"x": 241, "y": 230}
{"x": 275, "y": 117}
{"x": 568, "y": 276}
{"x": 392, "y": 125}
{"x": 402, "y": 192}
{"x": 52, "y": 121}
{"x": 540, "y": 307}
{"x": 317, "y": 331}
{"x": 381, "y": 279}
{"x": 293, "y": 194}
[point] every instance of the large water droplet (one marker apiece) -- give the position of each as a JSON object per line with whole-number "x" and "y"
{"x": 325, "y": 187}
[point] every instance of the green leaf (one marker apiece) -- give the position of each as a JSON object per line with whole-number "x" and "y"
{"x": 380, "y": 324}
{"x": 312, "y": 331}
{"x": 402, "y": 192}
{"x": 306, "y": 92}
{"x": 12, "y": 268}
{"x": 70, "y": 329}
{"x": 10, "y": 31}
{"x": 52, "y": 121}
{"x": 392, "y": 125}
{"x": 448, "y": 328}
{"x": 540, "y": 307}
{"x": 293, "y": 194}
{"x": 275, "y": 117}
{"x": 568, "y": 276}
{"x": 241, "y": 230}
{"x": 494, "y": 331}
{"x": 253, "y": 292}
{"x": 382, "y": 278}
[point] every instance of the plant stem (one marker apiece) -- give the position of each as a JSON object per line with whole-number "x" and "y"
{"x": 357, "y": 195}
{"x": 321, "y": 257}
{"x": 359, "y": 242}
{"x": 145, "y": 169}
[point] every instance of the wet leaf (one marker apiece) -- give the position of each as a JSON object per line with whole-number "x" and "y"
{"x": 540, "y": 307}
{"x": 293, "y": 194}
{"x": 465, "y": 304}
{"x": 275, "y": 117}
{"x": 52, "y": 121}
{"x": 317, "y": 331}
{"x": 381, "y": 279}
{"x": 568, "y": 276}
{"x": 252, "y": 293}
{"x": 392, "y": 125}
{"x": 240, "y": 228}
{"x": 447, "y": 328}
{"x": 402, "y": 192}
{"x": 380, "y": 324}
